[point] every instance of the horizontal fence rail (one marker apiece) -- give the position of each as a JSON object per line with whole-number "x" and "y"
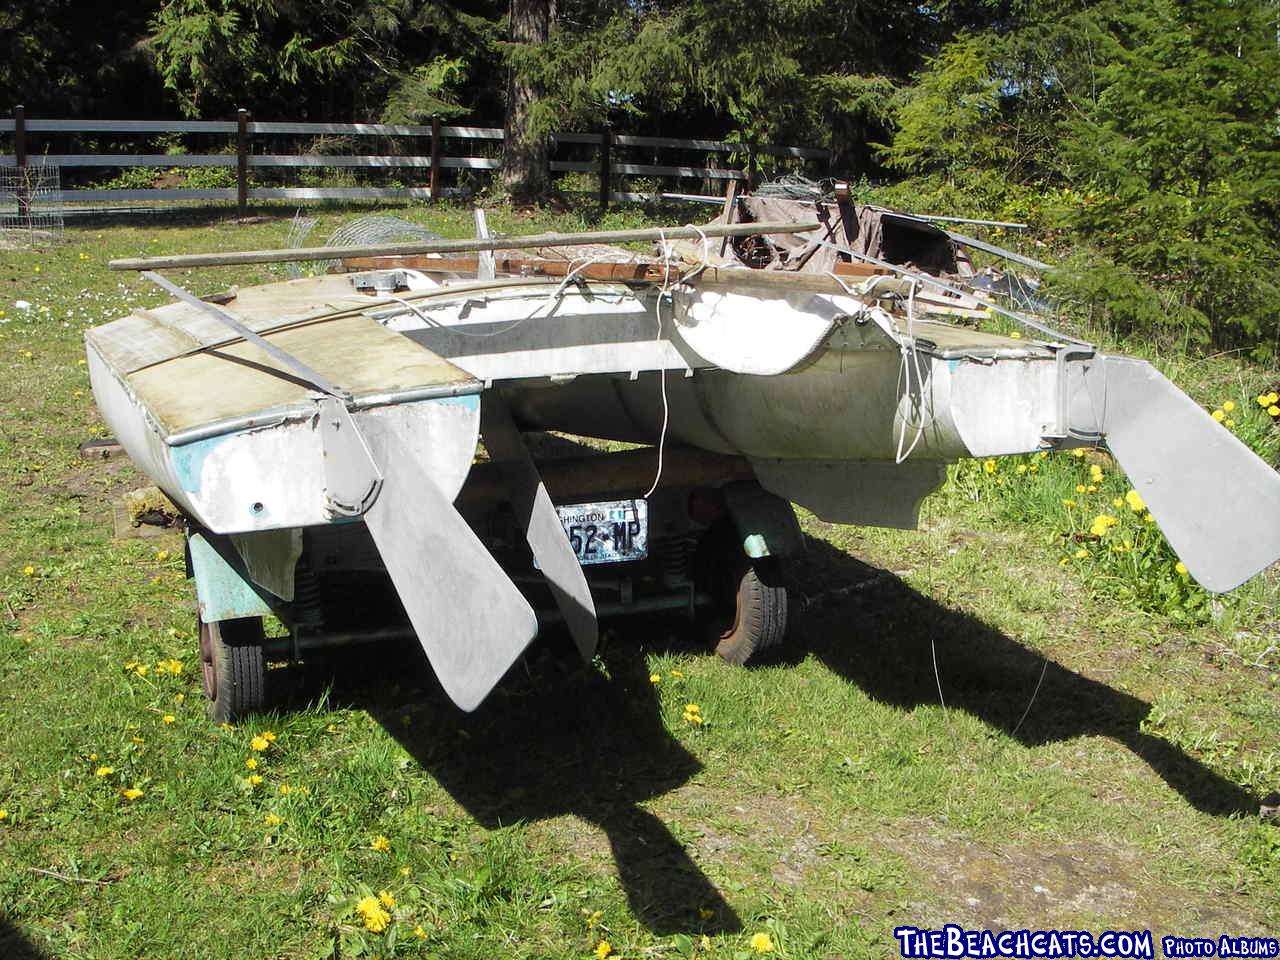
{"x": 240, "y": 157}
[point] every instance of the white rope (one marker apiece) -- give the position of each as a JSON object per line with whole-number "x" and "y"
{"x": 665, "y": 247}
{"x": 573, "y": 273}
{"x": 908, "y": 349}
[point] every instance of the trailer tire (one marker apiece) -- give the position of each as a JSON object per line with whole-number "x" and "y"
{"x": 233, "y": 668}
{"x": 750, "y": 614}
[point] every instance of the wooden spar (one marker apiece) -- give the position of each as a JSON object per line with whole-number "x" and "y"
{"x": 470, "y": 245}
{"x": 647, "y": 273}
{"x": 521, "y": 266}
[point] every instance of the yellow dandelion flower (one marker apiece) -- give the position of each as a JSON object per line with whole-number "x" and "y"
{"x": 380, "y": 843}
{"x": 1218, "y": 415}
{"x": 1078, "y": 452}
{"x": 254, "y": 779}
{"x": 1022, "y": 468}
{"x": 1034, "y": 468}
{"x": 1273, "y": 410}
{"x": 131, "y": 793}
{"x": 655, "y": 678}
{"x": 1081, "y": 553}
{"x": 1135, "y": 501}
{"x": 1092, "y": 488}
{"x": 989, "y": 466}
{"x": 1181, "y": 569}
{"x": 603, "y": 949}
{"x": 676, "y": 673}
{"x": 138, "y": 739}
{"x": 268, "y": 736}
{"x": 285, "y": 789}
{"x": 1068, "y": 503}
{"x": 1229, "y": 422}
{"x": 1016, "y": 335}
{"x": 1080, "y": 488}
{"x": 179, "y": 697}
{"x": 1095, "y": 473}
{"x": 330, "y": 728}
{"x": 28, "y": 571}
{"x": 4, "y": 814}
{"x": 1063, "y": 562}
{"x": 374, "y": 916}
{"x": 1228, "y": 405}
{"x": 162, "y": 555}
{"x": 1101, "y": 524}
{"x": 386, "y": 899}
{"x": 1128, "y": 544}
{"x": 761, "y": 943}
{"x": 259, "y": 744}
{"x": 93, "y": 758}
{"x": 251, "y": 763}
{"x": 419, "y": 932}
{"x": 404, "y": 871}
{"x": 168, "y": 718}
{"x": 273, "y": 820}
{"x": 104, "y": 771}
{"x": 1118, "y": 502}
{"x": 1273, "y": 397}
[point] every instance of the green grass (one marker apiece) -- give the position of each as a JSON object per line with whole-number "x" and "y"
{"x": 828, "y": 797}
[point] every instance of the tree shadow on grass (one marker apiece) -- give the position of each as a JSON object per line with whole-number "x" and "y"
{"x": 557, "y": 737}
{"x": 14, "y": 944}
{"x": 877, "y": 632}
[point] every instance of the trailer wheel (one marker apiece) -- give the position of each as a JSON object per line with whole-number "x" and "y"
{"x": 233, "y": 669}
{"x": 750, "y": 614}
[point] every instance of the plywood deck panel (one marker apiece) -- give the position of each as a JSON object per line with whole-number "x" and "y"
{"x": 356, "y": 353}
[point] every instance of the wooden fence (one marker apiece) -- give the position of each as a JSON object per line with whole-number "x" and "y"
{"x": 602, "y": 153}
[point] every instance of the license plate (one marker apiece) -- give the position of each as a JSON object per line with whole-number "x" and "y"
{"x": 612, "y": 532}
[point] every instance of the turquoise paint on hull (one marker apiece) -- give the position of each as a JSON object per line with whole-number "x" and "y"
{"x": 188, "y": 460}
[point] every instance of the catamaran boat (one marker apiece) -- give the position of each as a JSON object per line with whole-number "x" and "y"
{"x": 375, "y": 451}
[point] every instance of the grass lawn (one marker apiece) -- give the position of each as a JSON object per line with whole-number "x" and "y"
{"x": 829, "y": 796}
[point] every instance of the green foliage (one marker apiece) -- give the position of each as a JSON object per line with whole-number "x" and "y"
{"x": 949, "y": 120}
{"x": 425, "y": 91}
{"x": 283, "y": 56}
{"x": 1121, "y": 301}
{"x": 1151, "y": 126}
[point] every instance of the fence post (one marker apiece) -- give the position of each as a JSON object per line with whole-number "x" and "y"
{"x": 23, "y": 197}
{"x": 242, "y": 161}
{"x": 753, "y": 177}
{"x": 606, "y": 149}
{"x": 435, "y": 157}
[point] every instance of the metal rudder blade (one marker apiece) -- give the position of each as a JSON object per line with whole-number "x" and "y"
{"x": 471, "y": 620}
{"x": 1217, "y": 502}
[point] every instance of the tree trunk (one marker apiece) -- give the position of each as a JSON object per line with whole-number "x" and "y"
{"x": 524, "y": 157}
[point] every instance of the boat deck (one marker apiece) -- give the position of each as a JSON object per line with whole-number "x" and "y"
{"x": 192, "y": 373}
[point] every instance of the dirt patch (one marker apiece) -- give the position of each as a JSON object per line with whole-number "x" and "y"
{"x": 1070, "y": 885}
